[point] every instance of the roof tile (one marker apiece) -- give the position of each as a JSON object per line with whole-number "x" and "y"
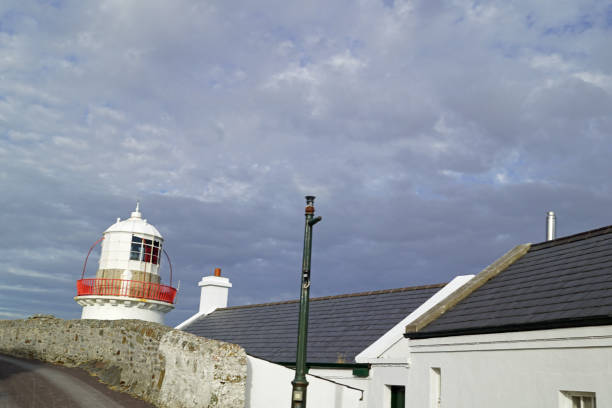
{"x": 557, "y": 283}
{"x": 339, "y": 326}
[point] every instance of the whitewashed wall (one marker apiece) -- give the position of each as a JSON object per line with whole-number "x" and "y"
{"x": 383, "y": 375}
{"x": 391, "y": 368}
{"x": 523, "y": 369}
{"x": 346, "y": 377}
{"x": 116, "y": 308}
{"x": 389, "y": 355}
{"x": 269, "y": 386}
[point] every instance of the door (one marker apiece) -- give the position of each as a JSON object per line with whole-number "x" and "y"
{"x": 398, "y": 396}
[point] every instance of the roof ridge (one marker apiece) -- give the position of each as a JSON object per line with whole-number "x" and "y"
{"x": 572, "y": 238}
{"x": 346, "y": 295}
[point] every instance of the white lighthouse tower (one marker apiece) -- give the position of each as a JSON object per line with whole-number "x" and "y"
{"x": 127, "y": 284}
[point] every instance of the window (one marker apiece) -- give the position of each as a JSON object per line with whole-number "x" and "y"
{"x": 145, "y": 250}
{"x": 435, "y": 387}
{"x": 577, "y": 399}
{"x": 398, "y": 396}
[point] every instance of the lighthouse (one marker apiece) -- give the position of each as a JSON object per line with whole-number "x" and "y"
{"x": 128, "y": 283}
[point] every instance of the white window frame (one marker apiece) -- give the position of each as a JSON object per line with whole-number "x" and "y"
{"x": 138, "y": 250}
{"x": 435, "y": 387}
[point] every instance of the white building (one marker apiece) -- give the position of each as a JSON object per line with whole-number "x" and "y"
{"x": 533, "y": 329}
{"x": 340, "y": 328}
{"x": 536, "y": 333}
{"x": 127, "y": 284}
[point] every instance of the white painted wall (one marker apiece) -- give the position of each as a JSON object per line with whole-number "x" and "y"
{"x": 522, "y": 369}
{"x": 343, "y": 376}
{"x": 383, "y": 375}
{"x": 346, "y": 377}
{"x": 389, "y": 354}
{"x": 269, "y": 386}
{"x": 510, "y": 370}
{"x": 395, "y": 334}
{"x": 115, "y": 308}
{"x": 115, "y": 252}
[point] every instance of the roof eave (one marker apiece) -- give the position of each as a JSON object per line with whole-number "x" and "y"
{"x": 543, "y": 325}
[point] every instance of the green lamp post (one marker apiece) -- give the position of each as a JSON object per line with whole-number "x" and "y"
{"x": 298, "y": 395}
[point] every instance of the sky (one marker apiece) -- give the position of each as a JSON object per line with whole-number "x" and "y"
{"x": 435, "y": 135}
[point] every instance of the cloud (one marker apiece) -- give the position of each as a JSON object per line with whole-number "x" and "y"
{"x": 434, "y": 134}
{"x": 28, "y": 273}
{"x": 20, "y": 288}
{"x": 12, "y": 315}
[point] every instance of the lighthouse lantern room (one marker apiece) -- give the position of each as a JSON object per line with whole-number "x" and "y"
{"x": 127, "y": 284}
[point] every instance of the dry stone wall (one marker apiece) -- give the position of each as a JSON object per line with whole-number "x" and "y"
{"x": 168, "y": 368}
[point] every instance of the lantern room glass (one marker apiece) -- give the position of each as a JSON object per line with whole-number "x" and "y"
{"x": 145, "y": 250}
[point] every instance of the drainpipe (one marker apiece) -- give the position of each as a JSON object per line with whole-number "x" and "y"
{"x": 298, "y": 395}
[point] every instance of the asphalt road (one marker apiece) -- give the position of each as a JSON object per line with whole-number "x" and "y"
{"x": 32, "y": 384}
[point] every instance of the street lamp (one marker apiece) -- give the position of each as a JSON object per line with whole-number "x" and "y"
{"x": 298, "y": 395}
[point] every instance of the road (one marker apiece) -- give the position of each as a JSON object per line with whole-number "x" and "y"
{"x": 32, "y": 384}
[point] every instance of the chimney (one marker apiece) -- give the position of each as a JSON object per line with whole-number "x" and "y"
{"x": 550, "y": 226}
{"x": 214, "y": 292}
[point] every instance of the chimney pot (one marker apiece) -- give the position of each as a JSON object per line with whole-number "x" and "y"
{"x": 551, "y": 228}
{"x": 217, "y": 271}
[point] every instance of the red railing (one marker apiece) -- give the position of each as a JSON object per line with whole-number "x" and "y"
{"x": 127, "y": 288}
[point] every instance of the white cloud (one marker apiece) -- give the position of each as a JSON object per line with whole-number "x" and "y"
{"x": 501, "y": 178}
{"x": 346, "y": 63}
{"x": 481, "y": 13}
{"x": 552, "y": 62}
{"x": 22, "y": 288}
{"x": 97, "y": 112}
{"x": 21, "y": 136}
{"x": 598, "y": 79}
{"x": 293, "y": 74}
{"x": 28, "y": 273}
{"x": 220, "y": 189}
{"x": 12, "y": 315}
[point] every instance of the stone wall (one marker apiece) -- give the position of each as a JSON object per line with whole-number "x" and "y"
{"x": 166, "y": 367}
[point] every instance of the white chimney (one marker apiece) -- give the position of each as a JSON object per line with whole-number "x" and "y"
{"x": 551, "y": 228}
{"x": 214, "y": 292}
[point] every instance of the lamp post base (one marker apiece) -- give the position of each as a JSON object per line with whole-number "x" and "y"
{"x": 298, "y": 395}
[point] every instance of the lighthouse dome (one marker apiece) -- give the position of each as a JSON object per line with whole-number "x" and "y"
{"x": 132, "y": 245}
{"x": 135, "y": 225}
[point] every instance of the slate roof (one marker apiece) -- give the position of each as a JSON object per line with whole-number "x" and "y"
{"x": 566, "y": 282}
{"x": 340, "y": 327}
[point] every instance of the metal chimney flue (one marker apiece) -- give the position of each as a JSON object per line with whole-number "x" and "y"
{"x": 550, "y": 226}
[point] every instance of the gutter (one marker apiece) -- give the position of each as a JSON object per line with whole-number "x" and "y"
{"x": 190, "y": 320}
{"x": 604, "y": 320}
